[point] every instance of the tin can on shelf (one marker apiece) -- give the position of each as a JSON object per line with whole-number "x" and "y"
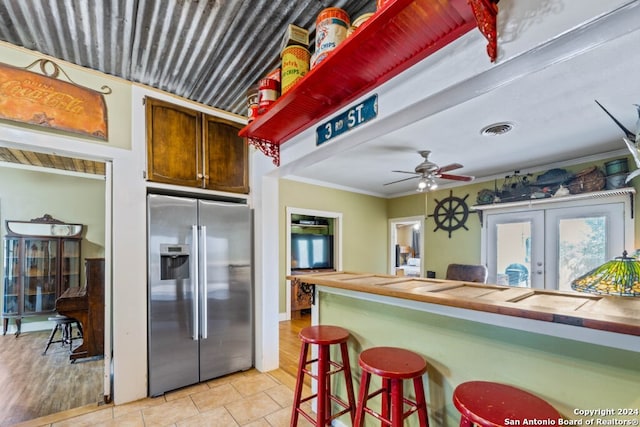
{"x": 295, "y": 64}
{"x": 331, "y": 29}
{"x": 358, "y": 21}
{"x": 252, "y": 103}
{"x": 274, "y": 75}
{"x": 268, "y": 92}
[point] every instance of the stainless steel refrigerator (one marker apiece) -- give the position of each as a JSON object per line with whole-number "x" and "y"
{"x": 200, "y": 309}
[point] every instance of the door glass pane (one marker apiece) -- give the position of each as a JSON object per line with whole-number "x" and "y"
{"x": 11, "y": 277}
{"x": 581, "y": 247}
{"x": 513, "y": 242}
{"x": 40, "y": 275}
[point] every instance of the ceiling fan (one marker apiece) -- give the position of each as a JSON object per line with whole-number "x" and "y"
{"x": 427, "y": 172}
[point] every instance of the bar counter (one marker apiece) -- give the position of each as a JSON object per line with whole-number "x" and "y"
{"x": 577, "y": 351}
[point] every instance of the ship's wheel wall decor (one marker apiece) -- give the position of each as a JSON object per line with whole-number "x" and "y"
{"x": 451, "y": 213}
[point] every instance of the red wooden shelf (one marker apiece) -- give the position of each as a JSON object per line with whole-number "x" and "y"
{"x": 397, "y": 36}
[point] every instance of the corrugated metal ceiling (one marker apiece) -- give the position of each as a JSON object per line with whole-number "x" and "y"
{"x": 209, "y": 51}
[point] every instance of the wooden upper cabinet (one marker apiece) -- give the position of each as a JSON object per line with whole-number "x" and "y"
{"x": 174, "y": 144}
{"x": 225, "y": 156}
{"x": 189, "y": 148}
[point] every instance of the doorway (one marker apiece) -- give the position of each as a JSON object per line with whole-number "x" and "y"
{"x": 33, "y": 186}
{"x": 406, "y": 246}
{"x": 324, "y": 235}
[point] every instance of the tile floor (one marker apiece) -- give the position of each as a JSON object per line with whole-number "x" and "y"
{"x": 251, "y": 399}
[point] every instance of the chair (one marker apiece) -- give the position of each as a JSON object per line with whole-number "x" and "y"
{"x": 517, "y": 273}
{"x": 393, "y": 365}
{"x": 323, "y": 336}
{"x": 65, "y": 325}
{"x": 467, "y": 273}
{"x": 489, "y": 404}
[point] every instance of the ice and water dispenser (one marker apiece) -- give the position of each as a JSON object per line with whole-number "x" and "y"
{"x": 174, "y": 261}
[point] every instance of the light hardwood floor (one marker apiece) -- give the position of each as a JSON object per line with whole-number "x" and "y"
{"x": 33, "y": 384}
{"x": 248, "y": 398}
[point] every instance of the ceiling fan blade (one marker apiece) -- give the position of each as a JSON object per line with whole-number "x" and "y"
{"x": 456, "y": 177}
{"x": 452, "y": 166}
{"x": 412, "y": 173}
{"x": 401, "y": 180}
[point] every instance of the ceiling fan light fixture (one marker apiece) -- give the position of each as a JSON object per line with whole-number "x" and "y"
{"x": 422, "y": 185}
{"x": 499, "y": 128}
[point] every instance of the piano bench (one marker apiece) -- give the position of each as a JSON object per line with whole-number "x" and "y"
{"x": 65, "y": 325}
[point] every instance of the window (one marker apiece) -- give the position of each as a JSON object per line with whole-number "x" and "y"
{"x": 548, "y": 243}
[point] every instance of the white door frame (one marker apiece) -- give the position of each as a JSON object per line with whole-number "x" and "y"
{"x": 393, "y": 222}
{"x": 337, "y": 245}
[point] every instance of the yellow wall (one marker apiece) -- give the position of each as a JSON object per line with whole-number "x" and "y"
{"x": 364, "y": 228}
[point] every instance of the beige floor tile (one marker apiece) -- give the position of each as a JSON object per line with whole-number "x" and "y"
{"x": 259, "y": 423}
{"x": 185, "y": 391}
{"x": 283, "y": 378}
{"x": 131, "y": 419}
{"x": 252, "y": 408}
{"x": 170, "y": 412}
{"x": 215, "y": 397}
{"x": 281, "y": 394}
{"x": 138, "y": 405}
{"x": 227, "y": 379}
{"x": 218, "y": 417}
{"x": 89, "y": 419}
{"x": 253, "y": 384}
{"x": 282, "y": 418}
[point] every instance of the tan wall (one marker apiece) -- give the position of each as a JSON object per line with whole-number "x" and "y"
{"x": 364, "y": 225}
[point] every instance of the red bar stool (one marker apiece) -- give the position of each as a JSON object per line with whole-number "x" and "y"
{"x": 323, "y": 336}
{"x": 394, "y": 365}
{"x": 491, "y": 404}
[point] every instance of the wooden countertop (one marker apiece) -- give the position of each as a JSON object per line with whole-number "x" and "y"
{"x": 607, "y": 313}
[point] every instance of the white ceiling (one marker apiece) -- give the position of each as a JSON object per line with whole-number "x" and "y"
{"x": 547, "y": 93}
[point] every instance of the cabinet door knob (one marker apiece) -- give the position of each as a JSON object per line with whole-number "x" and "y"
{"x": 199, "y": 176}
{"x": 206, "y": 177}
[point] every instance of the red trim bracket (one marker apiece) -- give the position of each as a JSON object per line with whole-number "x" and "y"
{"x": 486, "y": 13}
{"x": 268, "y": 148}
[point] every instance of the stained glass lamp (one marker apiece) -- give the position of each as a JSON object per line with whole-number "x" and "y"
{"x": 620, "y": 276}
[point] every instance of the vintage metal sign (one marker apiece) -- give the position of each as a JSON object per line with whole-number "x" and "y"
{"x": 354, "y": 116}
{"x": 44, "y": 100}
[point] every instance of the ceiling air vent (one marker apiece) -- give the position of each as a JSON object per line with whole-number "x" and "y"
{"x": 497, "y": 128}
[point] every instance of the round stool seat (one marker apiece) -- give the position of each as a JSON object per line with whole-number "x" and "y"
{"x": 324, "y": 335}
{"x": 393, "y": 362}
{"x": 62, "y": 319}
{"x": 490, "y": 404}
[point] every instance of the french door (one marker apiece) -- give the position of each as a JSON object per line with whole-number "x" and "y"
{"x": 548, "y": 248}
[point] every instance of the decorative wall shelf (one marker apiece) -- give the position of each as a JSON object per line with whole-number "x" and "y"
{"x": 573, "y": 197}
{"x": 400, "y": 34}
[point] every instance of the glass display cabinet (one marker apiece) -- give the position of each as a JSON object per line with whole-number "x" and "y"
{"x": 42, "y": 259}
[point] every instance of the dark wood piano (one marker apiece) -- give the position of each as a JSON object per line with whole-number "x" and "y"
{"x": 86, "y": 304}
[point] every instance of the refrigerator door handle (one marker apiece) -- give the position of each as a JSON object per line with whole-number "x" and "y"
{"x": 194, "y": 274}
{"x": 204, "y": 284}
